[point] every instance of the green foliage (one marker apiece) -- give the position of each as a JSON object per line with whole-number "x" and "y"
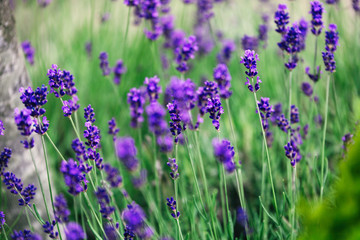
{"x": 338, "y": 217}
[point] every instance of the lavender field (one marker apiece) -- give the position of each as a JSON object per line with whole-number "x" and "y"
{"x": 192, "y": 119}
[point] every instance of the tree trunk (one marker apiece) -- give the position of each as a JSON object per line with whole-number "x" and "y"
{"x": 13, "y": 75}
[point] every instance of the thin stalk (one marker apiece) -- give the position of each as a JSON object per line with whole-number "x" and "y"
{"x": 226, "y": 198}
{"x": 126, "y": 32}
{"x": 28, "y": 219}
{"x": 48, "y": 179}
{"x": 222, "y": 197}
{"x": 181, "y": 236}
{"x": 324, "y": 136}
{"x": 156, "y": 172}
{"x": 3, "y": 230}
{"x": 293, "y": 213}
{"x": 94, "y": 213}
{"x": 315, "y": 55}
{"x": 239, "y": 180}
{"x": 207, "y": 196}
{"x": 56, "y": 149}
{"x": 75, "y": 129}
{"x": 267, "y": 155}
{"x": 41, "y": 186}
{"x": 175, "y": 182}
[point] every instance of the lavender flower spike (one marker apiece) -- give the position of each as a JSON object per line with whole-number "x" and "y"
{"x": 224, "y": 153}
{"x": 2, "y": 219}
{"x": 317, "y": 10}
{"x": 171, "y": 203}
{"x": 104, "y": 63}
{"x": 222, "y": 77}
{"x": 2, "y": 128}
{"x": 74, "y": 231}
{"x": 126, "y": 152}
{"x": 152, "y": 87}
{"x": 119, "y": 70}
{"x": 281, "y": 19}
{"x": 29, "y": 51}
{"x": 136, "y": 101}
{"x": 249, "y": 60}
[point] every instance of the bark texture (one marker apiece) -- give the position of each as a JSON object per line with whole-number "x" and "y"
{"x": 13, "y": 75}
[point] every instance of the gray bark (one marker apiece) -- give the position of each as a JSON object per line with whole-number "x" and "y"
{"x": 13, "y": 75}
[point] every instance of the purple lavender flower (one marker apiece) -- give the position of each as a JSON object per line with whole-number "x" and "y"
{"x": 74, "y": 178}
{"x": 41, "y": 126}
{"x": 331, "y": 38}
{"x": 184, "y": 53}
{"x": 307, "y": 89}
{"x": 25, "y": 125}
{"x": 305, "y": 131}
{"x": 119, "y": 70}
{"x": 136, "y": 101}
{"x": 175, "y": 40}
{"x": 249, "y": 60}
{"x": 44, "y": 3}
{"x": 61, "y": 211}
{"x": 92, "y": 134}
{"x": 283, "y": 123}
{"x": 329, "y": 61}
{"x": 104, "y": 201}
{"x": 265, "y": 112}
{"x": 128, "y": 233}
{"x": 70, "y": 106}
{"x": 155, "y": 32}
{"x": 104, "y": 63}
{"x": 113, "y": 176}
{"x": 171, "y": 203}
{"x": 356, "y": 5}
{"x": 152, "y": 87}
{"x": 165, "y": 143}
{"x": 209, "y": 91}
{"x": 156, "y": 114}
{"x": 34, "y": 100}
{"x": 2, "y": 128}
{"x": 61, "y": 82}
{"x": 291, "y": 43}
{"x": 317, "y": 10}
{"x": 332, "y": 1}
{"x": 215, "y": 110}
{"x": 281, "y": 19}
{"x": 224, "y": 153}
{"x": 204, "y": 11}
{"x": 303, "y": 28}
{"x": 242, "y": 217}
{"x": 4, "y": 159}
{"x": 113, "y": 130}
{"x": 222, "y": 77}
{"x": 139, "y": 181}
{"x": 294, "y": 114}
{"x": 263, "y": 33}
{"x": 2, "y": 219}
{"x": 74, "y": 231}
{"x": 175, "y": 123}
{"x": 132, "y": 3}
{"x": 28, "y": 194}
{"x": 29, "y": 51}
{"x": 89, "y": 114}
{"x": 110, "y": 232}
{"x": 228, "y": 47}
{"x": 126, "y": 152}
{"x": 249, "y": 42}
{"x": 12, "y": 183}
{"x": 347, "y": 140}
{"x": 49, "y": 229}
{"x": 292, "y": 152}
{"x": 174, "y": 168}
{"x": 316, "y": 76}
{"x": 134, "y": 216}
{"x": 26, "y": 234}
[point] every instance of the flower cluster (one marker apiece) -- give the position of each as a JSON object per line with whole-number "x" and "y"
{"x": 307, "y": 89}
{"x": 119, "y": 70}
{"x": 215, "y": 110}
{"x": 223, "y": 78}
{"x": 331, "y": 42}
{"x": 292, "y": 152}
{"x": 26, "y": 234}
{"x": 224, "y": 153}
{"x": 174, "y": 168}
{"x": 249, "y": 60}
{"x": 152, "y": 88}
{"x": 134, "y": 218}
{"x": 74, "y": 177}
{"x": 49, "y": 229}
{"x": 4, "y": 159}
{"x": 29, "y": 51}
{"x": 104, "y": 63}
{"x": 2, "y": 219}
{"x": 228, "y": 47}
{"x": 184, "y": 53}
{"x": 281, "y": 19}
{"x": 356, "y": 5}
{"x": 171, "y": 203}
{"x": 27, "y": 194}
{"x": 156, "y": 114}
{"x": 2, "y": 128}
{"x": 175, "y": 123}
{"x": 250, "y": 42}
{"x": 136, "y": 100}
{"x": 126, "y": 152}
{"x": 315, "y": 76}
{"x": 74, "y": 231}
{"x": 25, "y": 125}
{"x": 291, "y": 43}
{"x": 317, "y": 10}
{"x": 113, "y": 176}
{"x": 113, "y": 130}
{"x": 61, "y": 210}
{"x": 104, "y": 201}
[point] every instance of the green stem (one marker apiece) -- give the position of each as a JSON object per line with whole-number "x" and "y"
{"x": 158, "y": 195}
{"x": 56, "y": 149}
{"x": 178, "y": 224}
{"x": 207, "y": 196}
{"x": 28, "y": 219}
{"x": 226, "y": 198}
{"x": 324, "y": 137}
{"x": 3, "y": 230}
{"x": 48, "y": 179}
{"x": 126, "y": 32}
{"x": 267, "y": 155}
